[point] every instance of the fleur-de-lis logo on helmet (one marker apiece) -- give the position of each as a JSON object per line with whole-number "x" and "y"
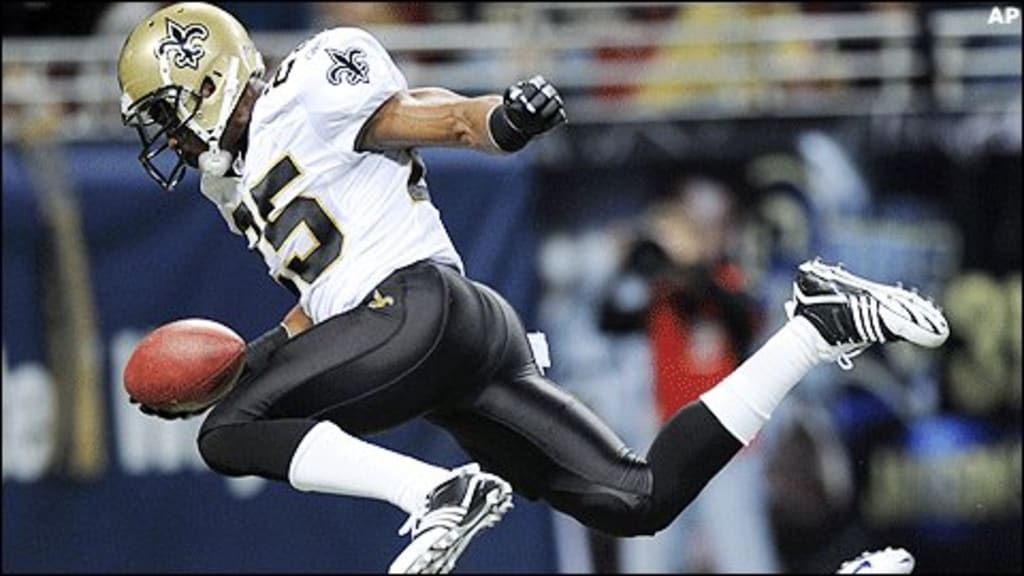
{"x": 185, "y": 42}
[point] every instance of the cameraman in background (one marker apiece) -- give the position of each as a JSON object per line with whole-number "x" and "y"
{"x": 677, "y": 284}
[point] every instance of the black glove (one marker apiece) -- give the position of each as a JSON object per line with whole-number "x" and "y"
{"x": 150, "y": 411}
{"x": 259, "y": 351}
{"x": 531, "y": 107}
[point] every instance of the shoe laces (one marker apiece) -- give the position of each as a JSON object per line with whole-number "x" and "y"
{"x": 412, "y": 520}
{"x": 417, "y": 516}
{"x": 415, "y": 522}
{"x": 845, "y": 360}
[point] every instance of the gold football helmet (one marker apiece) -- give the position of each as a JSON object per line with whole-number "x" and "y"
{"x": 182, "y": 71}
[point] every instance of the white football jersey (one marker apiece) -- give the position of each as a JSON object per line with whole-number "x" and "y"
{"x": 330, "y": 222}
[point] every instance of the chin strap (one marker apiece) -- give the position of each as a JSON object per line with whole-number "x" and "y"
{"x": 215, "y": 162}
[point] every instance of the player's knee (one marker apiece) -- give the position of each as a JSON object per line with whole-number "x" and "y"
{"x": 216, "y": 450}
{"x": 624, "y": 517}
{"x": 209, "y": 448}
{"x": 649, "y": 517}
{"x": 639, "y": 524}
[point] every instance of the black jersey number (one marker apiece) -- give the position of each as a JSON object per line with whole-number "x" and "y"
{"x": 284, "y": 70}
{"x": 301, "y": 216}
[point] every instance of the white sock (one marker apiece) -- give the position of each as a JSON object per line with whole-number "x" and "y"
{"x": 329, "y": 460}
{"x": 745, "y": 399}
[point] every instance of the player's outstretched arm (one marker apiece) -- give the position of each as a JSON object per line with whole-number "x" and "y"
{"x": 440, "y": 117}
{"x": 258, "y": 351}
{"x": 296, "y": 322}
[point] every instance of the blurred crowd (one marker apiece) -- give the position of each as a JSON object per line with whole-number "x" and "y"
{"x": 58, "y": 19}
{"x": 616, "y": 60}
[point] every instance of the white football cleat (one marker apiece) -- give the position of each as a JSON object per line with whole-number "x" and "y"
{"x": 852, "y": 313}
{"x": 455, "y": 512}
{"x": 888, "y": 561}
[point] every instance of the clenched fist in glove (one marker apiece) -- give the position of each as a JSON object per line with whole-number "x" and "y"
{"x": 530, "y": 107}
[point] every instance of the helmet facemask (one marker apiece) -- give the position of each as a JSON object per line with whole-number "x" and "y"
{"x": 158, "y": 117}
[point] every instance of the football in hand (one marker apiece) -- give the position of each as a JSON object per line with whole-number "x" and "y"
{"x": 185, "y": 365}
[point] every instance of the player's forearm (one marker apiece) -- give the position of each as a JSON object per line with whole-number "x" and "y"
{"x": 432, "y": 117}
{"x": 296, "y": 322}
{"x": 259, "y": 350}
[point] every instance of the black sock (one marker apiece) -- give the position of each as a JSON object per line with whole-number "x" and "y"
{"x": 690, "y": 449}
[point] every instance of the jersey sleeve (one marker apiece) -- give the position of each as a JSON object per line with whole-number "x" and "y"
{"x": 350, "y": 76}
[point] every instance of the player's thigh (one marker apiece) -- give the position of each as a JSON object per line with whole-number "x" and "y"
{"x": 543, "y": 440}
{"x": 360, "y": 369}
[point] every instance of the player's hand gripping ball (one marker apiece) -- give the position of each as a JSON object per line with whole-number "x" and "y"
{"x": 183, "y": 367}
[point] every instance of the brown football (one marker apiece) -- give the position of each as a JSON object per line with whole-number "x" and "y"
{"x": 184, "y": 365}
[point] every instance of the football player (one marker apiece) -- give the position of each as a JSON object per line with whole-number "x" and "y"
{"x": 316, "y": 166}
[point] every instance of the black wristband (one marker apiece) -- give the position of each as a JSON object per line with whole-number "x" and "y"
{"x": 504, "y": 134}
{"x": 258, "y": 352}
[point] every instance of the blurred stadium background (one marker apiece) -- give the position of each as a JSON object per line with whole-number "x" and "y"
{"x": 711, "y": 147}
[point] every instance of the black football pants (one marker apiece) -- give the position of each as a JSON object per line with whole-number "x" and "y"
{"x": 435, "y": 344}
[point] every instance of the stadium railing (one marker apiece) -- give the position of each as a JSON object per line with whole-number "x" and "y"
{"x": 739, "y": 63}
